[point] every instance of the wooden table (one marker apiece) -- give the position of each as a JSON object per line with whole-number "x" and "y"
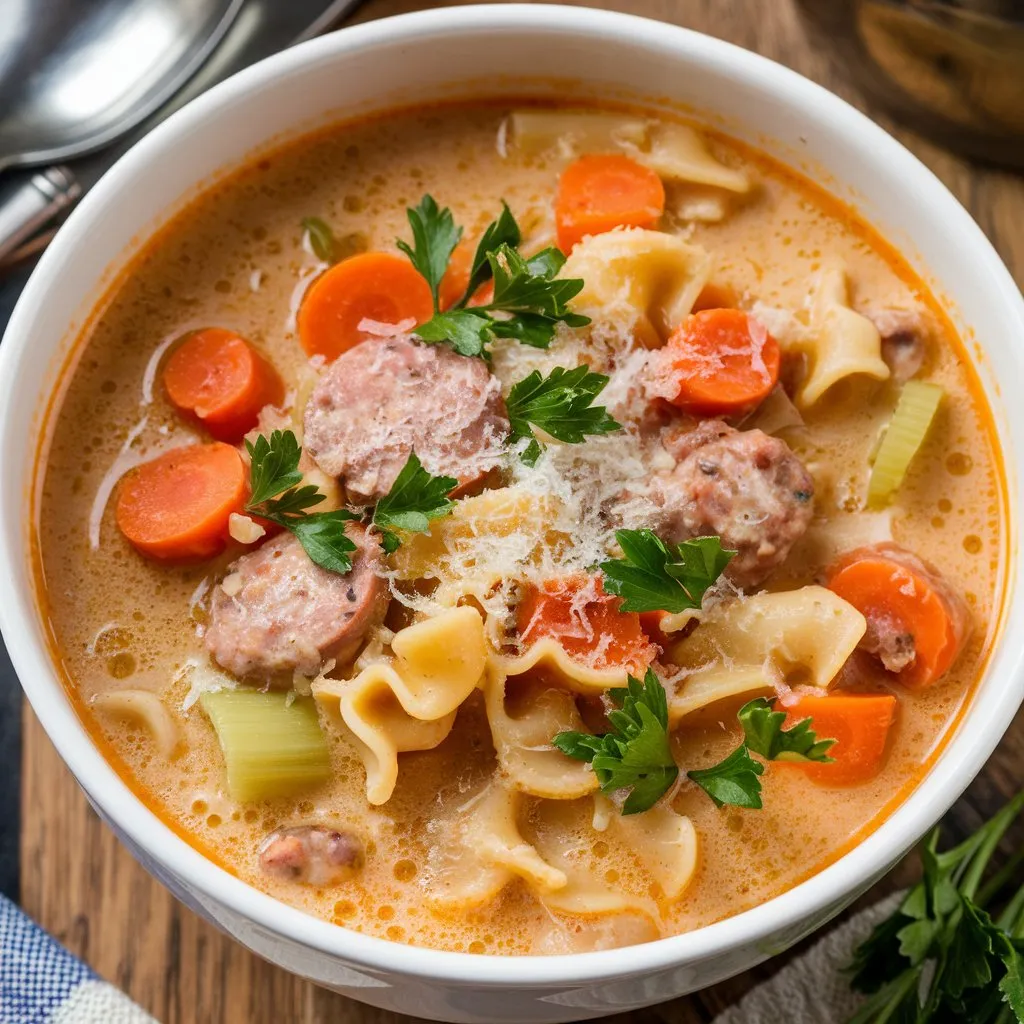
{"x": 83, "y": 886}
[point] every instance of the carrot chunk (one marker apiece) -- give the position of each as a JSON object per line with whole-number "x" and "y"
{"x": 859, "y": 723}
{"x": 219, "y": 378}
{"x": 917, "y": 623}
{"x": 377, "y": 286}
{"x": 177, "y": 506}
{"x": 718, "y": 362}
{"x": 598, "y": 193}
{"x": 587, "y": 623}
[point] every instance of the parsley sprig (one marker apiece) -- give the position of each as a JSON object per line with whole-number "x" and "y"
{"x": 735, "y": 780}
{"x": 415, "y": 499}
{"x": 529, "y": 300}
{"x": 655, "y": 575}
{"x": 275, "y": 495}
{"x": 559, "y": 404}
{"x": 636, "y": 754}
{"x": 949, "y": 953}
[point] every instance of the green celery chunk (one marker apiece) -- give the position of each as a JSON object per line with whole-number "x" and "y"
{"x": 907, "y": 430}
{"x": 271, "y": 747}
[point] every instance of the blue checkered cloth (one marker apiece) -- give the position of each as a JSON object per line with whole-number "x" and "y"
{"x": 42, "y": 983}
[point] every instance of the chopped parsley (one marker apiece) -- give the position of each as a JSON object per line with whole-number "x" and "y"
{"x": 735, "y": 780}
{"x": 275, "y": 495}
{"x": 636, "y": 755}
{"x": 655, "y": 575}
{"x": 414, "y": 500}
{"x": 560, "y": 404}
{"x": 529, "y": 300}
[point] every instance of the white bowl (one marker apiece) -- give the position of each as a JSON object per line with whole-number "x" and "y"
{"x": 484, "y": 51}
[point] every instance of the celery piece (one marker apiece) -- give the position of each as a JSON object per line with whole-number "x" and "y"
{"x": 272, "y": 742}
{"x": 907, "y": 430}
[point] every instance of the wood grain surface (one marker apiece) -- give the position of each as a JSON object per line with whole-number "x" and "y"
{"x": 79, "y": 883}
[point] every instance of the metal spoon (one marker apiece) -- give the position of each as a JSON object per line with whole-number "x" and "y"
{"x": 74, "y": 76}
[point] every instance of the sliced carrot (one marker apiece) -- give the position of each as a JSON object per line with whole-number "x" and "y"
{"x": 718, "y": 362}
{"x": 598, "y": 193}
{"x": 376, "y": 286}
{"x": 859, "y": 723}
{"x": 177, "y": 506}
{"x": 218, "y": 377}
{"x": 904, "y": 600}
{"x": 586, "y": 622}
{"x": 456, "y": 279}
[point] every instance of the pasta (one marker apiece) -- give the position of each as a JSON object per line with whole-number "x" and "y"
{"x": 840, "y": 342}
{"x": 482, "y": 851}
{"x": 522, "y": 740}
{"x": 674, "y": 151}
{"x": 148, "y": 710}
{"x": 756, "y": 643}
{"x": 408, "y": 703}
{"x": 644, "y": 277}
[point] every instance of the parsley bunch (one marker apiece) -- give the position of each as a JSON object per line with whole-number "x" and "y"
{"x": 654, "y": 575}
{"x": 528, "y": 302}
{"x": 414, "y": 500}
{"x": 948, "y": 953}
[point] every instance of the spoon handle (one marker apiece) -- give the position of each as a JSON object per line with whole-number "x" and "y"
{"x": 28, "y": 202}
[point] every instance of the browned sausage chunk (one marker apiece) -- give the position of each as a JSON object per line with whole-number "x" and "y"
{"x": 311, "y": 855}
{"x": 385, "y": 398}
{"x": 278, "y": 612}
{"x": 744, "y": 486}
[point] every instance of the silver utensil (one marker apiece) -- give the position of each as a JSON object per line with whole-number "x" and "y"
{"x": 951, "y": 69}
{"x": 74, "y": 76}
{"x": 261, "y": 28}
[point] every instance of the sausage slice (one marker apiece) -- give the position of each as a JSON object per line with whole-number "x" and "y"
{"x": 745, "y": 486}
{"x": 311, "y": 855}
{"x": 278, "y": 612}
{"x": 387, "y": 397}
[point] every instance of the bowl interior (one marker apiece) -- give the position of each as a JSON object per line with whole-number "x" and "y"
{"x": 475, "y": 52}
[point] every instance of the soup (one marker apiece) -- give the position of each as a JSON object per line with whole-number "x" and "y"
{"x": 641, "y": 552}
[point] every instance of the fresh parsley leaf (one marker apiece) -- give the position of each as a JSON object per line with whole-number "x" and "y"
{"x": 273, "y": 465}
{"x": 434, "y": 235}
{"x": 637, "y": 754}
{"x": 529, "y": 301}
{"x": 321, "y": 239}
{"x": 464, "y": 329}
{"x": 522, "y": 286}
{"x": 323, "y": 537}
{"x": 274, "y": 495}
{"x": 732, "y": 781}
{"x": 503, "y": 231}
{"x": 764, "y": 734}
{"x": 654, "y": 575}
{"x": 735, "y": 780}
{"x": 560, "y": 405}
{"x": 414, "y": 500}
{"x": 294, "y": 501}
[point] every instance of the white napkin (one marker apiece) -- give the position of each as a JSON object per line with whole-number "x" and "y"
{"x": 813, "y": 989}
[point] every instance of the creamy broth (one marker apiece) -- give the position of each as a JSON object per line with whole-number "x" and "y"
{"x": 237, "y": 257}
